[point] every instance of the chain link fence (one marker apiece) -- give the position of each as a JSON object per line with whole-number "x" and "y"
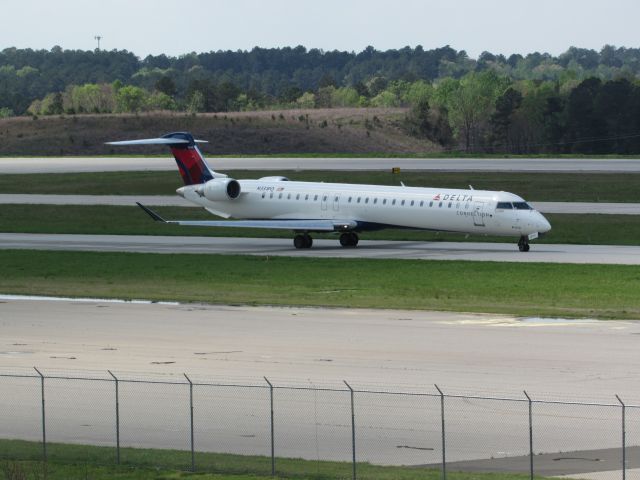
{"x": 331, "y": 432}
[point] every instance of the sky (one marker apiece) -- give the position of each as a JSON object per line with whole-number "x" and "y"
{"x": 179, "y": 27}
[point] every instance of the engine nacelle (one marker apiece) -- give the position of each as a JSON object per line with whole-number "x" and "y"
{"x": 220, "y": 189}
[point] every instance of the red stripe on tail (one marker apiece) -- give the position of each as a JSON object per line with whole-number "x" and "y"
{"x": 193, "y": 169}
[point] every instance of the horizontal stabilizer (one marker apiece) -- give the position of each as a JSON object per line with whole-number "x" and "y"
{"x": 156, "y": 141}
{"x": 319, "y": 225}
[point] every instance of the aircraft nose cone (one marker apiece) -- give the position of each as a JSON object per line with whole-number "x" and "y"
{"x": 543, "y": 225}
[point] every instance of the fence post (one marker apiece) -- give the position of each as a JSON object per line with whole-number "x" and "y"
{"x": 530, "y": 434}
{"x": 273, "y": 440}
{"x": 353, "y": 429}
{"x": 624, "y": 438}
{"x": 193, "y": 455}
{"x": 44, "y": 427}
{"x": 444, "y": 443}
{"x": 117, "y": 416}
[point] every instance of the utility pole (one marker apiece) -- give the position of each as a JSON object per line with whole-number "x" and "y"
{"x": 98, "y": 38}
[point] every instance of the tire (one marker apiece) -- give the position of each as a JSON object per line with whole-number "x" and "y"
{"x": 299, "y": 241}
{"x": 308, "y": 241}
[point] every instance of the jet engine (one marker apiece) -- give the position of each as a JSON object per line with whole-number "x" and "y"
{"x": 220, "y": 189}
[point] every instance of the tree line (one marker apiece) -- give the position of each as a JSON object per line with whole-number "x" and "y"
{"x": 580, "y": 101}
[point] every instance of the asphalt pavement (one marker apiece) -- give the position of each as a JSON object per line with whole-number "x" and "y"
{"x": 474, "y": 251}
{"x": 112, "y": 164}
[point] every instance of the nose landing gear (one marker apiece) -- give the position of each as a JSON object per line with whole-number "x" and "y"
{"x": 523, "y": 244}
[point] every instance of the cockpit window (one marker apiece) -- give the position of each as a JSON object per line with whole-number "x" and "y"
{"x": 522, "y": 206}
{"x": 504, "y": 205}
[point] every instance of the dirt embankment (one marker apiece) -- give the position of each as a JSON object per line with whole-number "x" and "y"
{"x": 358, "y": 131}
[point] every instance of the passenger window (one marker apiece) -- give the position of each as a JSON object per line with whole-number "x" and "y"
{"x": 450, "y": 203}
{"x": 440, "y": 205}
{"x": 394, "y": 202}
{"x": 384, "y": 201}
{"x": 358, "y": 199}
{"x": 324, "y": 199}
{"x": 422, "y": 203}
{"x": 263, "y": 194}
{"x": 315, "y": 198}
{"x": 280, "y": 196}
{"x": 375, "y": 200}
{"x": 336, "y": 199}
{"x": 271, "y": 195}
{"x": 289, "y": 197}
{"x": 402, "y": 203}
{"x": 431, "y": 204}
{"x": 412, "y": 202}
{"x": 366, "y": 200}
{"x": 349, "y": 199}
{"x": 306, "y": 197}
{"x": 298, "y": 197}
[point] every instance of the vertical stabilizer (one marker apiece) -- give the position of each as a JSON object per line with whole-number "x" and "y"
{"x": 189, "y": 158}
{"x": 193, "y": 168}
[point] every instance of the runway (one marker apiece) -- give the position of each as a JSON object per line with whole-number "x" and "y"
{"x": 472, "y": 251}
{"x": 175, "y": 201}
{"x": 112, "y": 164}
{"x": 383, "y": 350}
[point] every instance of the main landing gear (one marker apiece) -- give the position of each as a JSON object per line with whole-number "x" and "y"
{"x": 304, "y": 240}
{"x": 349, "y": 239}
{"x": 523, "y": 244}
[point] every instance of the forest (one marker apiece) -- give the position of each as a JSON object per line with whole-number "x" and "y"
{"x": 582, "y": 101}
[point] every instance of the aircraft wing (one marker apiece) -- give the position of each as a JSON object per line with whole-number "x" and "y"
{"x": 316, "y": 225}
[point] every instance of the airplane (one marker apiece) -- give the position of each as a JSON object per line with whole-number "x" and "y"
{"x": 275, "y": 202}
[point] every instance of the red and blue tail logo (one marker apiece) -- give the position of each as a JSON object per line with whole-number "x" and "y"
{"x": 193, "y": 168}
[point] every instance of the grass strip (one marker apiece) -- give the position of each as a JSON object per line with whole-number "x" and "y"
{"x": 534, "y": 186}
{"x": 527, "y": 289}
{"x": 101, "y": 220}
{"x": 67, "y": 461}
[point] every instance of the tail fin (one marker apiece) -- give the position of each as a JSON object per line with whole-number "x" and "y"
{"x": 191, "y": 163}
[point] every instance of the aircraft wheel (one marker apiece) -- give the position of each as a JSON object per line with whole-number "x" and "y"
{"x": 308, "y": 241}
{"x": 299, "y": 241}
{"x": 523, "y": 244}
{"x": 349, "y": 239}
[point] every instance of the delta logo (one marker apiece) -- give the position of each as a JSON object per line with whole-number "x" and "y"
{"x": 454, "y": 197}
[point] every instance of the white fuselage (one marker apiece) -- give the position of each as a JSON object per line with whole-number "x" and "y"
{"x": 375, "y": 207}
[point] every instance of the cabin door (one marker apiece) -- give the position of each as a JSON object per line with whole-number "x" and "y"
{"x": 478, "y": 214}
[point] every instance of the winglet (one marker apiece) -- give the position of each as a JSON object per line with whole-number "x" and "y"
{"x": 151, "y": 213}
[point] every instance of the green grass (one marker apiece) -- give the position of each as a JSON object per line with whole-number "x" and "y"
{"x": 573, "y": 229}
{"x": 538, "y": 289}
{"x": 569, "y": 187}
{"x": 68, "y": 461}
